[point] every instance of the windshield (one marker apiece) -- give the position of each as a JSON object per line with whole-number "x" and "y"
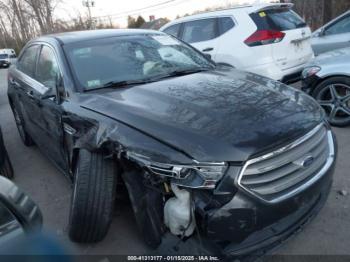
{"x": 4, "y": 56}
{"x": 131, "y": 59}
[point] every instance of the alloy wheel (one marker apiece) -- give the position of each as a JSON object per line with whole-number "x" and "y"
{"x": 335, "y": 99}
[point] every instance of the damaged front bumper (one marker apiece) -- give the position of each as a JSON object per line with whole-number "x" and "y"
{"x": 247, "y": 227}
{"x": 253, "y": 208}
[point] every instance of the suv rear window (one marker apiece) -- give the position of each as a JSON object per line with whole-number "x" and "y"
{"x": 4, "y": 56}
{"x": 278, "y": 19}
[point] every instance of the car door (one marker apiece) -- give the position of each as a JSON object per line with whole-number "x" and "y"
{"x": 203, "y": 35}
{"x": 49, "y": 110}
{"x": 23, "y": 82}
{"x": 37, "y": 71}
{"x": 334, "y": 36}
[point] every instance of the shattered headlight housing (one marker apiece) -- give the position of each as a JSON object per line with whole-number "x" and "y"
{"x": 197, "y": 175}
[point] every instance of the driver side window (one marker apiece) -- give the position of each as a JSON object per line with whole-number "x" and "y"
{"x": 47, "y": 69}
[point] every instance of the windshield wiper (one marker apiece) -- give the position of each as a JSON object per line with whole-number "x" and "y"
{"x": 188, "y": 71}
{"x": 124, "y": 83}
{"x": 114, "y": 84}
{"x": 117, "y": 84}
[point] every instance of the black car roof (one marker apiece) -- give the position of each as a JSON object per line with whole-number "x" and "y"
{"x": 78, "y": 36}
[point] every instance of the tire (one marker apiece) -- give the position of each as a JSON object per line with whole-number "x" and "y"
{"x": 333, "y": 94}
{"x": 25, "y": 137}
{"x": 6, "y": 170}
{"x": 93, "y": 198}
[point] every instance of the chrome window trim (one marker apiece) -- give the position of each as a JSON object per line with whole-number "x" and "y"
{"x": 311, "y": 181}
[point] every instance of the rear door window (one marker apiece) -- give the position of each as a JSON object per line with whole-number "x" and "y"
{"x": 282, "y": 19}
{"x": 200, "y": 30}
{"x": 340, "y": 27}
{"x": 27, "y": 62}
{"x": 225, "y": 24}
{"x": 173, "y": 30}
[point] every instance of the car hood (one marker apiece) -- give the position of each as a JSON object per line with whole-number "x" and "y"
{"x": 211, "y": 116}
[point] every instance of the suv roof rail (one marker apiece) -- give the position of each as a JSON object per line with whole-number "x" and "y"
{"x": 253, "y": 7}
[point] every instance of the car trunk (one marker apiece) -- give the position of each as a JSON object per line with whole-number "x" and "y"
{"x": 294, "y": 48}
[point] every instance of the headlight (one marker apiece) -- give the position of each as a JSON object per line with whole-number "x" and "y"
{"x": 310, "y": 71}
{"x": 198, "y": 175}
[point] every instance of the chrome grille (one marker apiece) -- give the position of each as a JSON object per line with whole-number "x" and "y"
{"x": 283, "y": 173}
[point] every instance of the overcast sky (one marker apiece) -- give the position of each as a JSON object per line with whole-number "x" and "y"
{"x": 117, "y": 8}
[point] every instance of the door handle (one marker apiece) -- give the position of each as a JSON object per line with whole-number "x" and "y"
{"x": 30, "y": 94}
{"x": 208, "y": 49}
{"x": 15, "y": 83}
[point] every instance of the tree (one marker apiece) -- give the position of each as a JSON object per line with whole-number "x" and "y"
{"x": 131, "y": 22}
{"x": 43, "y": 10}
{"x": 21, "y": 20}
{"x": 139, "y": 21}
{"x": 135, "y": 23}
{"x": 318, "y": 12}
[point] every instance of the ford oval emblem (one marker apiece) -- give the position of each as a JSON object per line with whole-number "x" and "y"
{"x": 307, "y": 161}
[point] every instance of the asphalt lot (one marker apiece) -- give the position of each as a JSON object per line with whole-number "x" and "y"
{"x": 328, "y": 234}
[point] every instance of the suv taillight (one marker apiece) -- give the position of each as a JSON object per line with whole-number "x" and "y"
{"x": 264, "y": 37}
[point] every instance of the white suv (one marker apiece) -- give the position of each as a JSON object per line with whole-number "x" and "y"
{"x": 7, "y": 57}
{"x": 267, "y": 39}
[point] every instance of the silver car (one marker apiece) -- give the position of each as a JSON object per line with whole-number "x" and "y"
{"x": 334, "y": 35}
{"x": 327, "y": 79}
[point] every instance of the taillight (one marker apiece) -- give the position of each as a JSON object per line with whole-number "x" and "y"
{"x": 264, "y": 37}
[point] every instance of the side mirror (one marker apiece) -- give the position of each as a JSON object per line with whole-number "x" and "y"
{"x": 322, "y": 32}
{"x": 50, "y": 93}
{"x": 19, "y": 208}
{"x": 208, "y": 56}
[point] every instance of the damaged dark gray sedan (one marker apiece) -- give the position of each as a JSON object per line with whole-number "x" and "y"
{"x": 205, "y": 152}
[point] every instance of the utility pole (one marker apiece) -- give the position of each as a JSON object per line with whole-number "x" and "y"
{"x": 89, "y": 4}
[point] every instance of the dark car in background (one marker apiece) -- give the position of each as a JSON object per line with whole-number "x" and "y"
{"x": 6, "y": 169}
{"x": 238, "y": 159}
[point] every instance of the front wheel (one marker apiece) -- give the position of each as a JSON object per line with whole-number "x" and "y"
{"x": 93, "y": 197}
{"x": 333, "y": 95}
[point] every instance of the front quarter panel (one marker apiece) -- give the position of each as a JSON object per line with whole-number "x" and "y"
{"x": 334, "y": 69}
{"x": 87, "y": 129}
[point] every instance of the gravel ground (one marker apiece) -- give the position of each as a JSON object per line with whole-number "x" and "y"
{"x": 328, "y": 234}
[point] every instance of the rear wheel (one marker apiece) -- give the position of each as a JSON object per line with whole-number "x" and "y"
{"x": 26, "y": 139}
{"x": 333, "y": 95}
{"x": 93, "y": 198}
{"x": 6, "y": 170}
